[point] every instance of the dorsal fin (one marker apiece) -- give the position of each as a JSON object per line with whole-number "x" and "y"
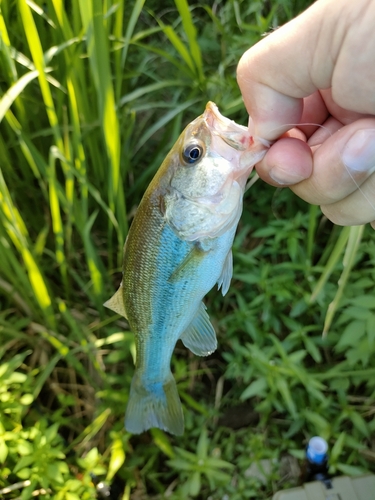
{"x": 116, "y": 302}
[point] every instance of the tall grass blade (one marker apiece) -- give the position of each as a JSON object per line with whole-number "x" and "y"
{"x": 148, "y": 89}
{"x": 14, "y": 91}
{"x": 17, "y": 232}
{"x": 91, "y": 430}
{"x": 79, "y": 157}
{"x": 36, "y": 50}
{"x": 191, "y": 33}
{"x": 97, "y": 45}
{"x": 313, "y": 210}
{"x": 180, "y": 47}
{"x": 57, "y": 224}
{"x": 35, "y": 47}
{"x": 355, "y": 236}
{"x": 137, "y": 9}
{"x": 163, "y": 121}
{"x": 331, "y": 264}
{"x": 5, "y": 49}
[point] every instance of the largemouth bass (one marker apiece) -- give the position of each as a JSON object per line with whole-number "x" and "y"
{"x": 178, "y": 248}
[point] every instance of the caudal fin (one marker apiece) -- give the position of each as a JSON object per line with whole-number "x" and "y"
{"x": 155, "y": 405}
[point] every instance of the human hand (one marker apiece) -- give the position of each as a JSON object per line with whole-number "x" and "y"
{"x": 318, "y": 69}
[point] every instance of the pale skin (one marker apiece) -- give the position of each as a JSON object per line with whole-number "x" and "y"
{"x": 320, "y": 69}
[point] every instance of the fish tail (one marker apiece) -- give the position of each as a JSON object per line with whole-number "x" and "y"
{"x": 154, "y": 404}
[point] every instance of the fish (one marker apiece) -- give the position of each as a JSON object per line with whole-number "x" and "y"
{"x": 178, "y": 247}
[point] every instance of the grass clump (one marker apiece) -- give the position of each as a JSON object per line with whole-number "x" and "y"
{"x": 93, "y": 95}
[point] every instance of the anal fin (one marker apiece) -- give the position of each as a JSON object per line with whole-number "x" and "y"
{"x": 200, "y": 336}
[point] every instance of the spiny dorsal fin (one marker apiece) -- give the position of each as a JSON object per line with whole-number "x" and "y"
{"x": 116, "y": 302}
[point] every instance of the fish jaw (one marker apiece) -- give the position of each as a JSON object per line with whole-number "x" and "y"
{"x": 226, "y": 132}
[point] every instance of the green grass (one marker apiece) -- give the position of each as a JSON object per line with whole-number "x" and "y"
{"x": 93, "y": 95}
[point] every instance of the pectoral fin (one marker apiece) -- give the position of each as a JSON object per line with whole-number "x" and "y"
{"x": 116, "y": 302}
{"x": 226, "y": 274}
{"x": 188, "y": 264}
{"x": 200, "y": 336}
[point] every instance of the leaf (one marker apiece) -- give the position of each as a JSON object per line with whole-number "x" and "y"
{"x": 92, "y": 430}
{"x": 297, "y": 357}
{"x": 194, "y": 404}
{"x": 35, "y": 47}
{"x": 359, "y": 423}
{"x": 370, "y": 328}
{"x": 350, "y": 470}
{"x": 162, "y": 442}
{"x": 72, "y": 496}
{"x": 321, "y": 426}
{"x": 90, "y": 460}
{"x": 282, "y": 386}
{"x": 51, "y": 432}
{"x": 313, "y": 350}
{"x": 24, "y": 473}
{"x": 191, "y": 32}
{"x": 25, "y": 448}
{"x": 137, "y": 9}
{"x": 54, "y": 474}
{"x": 14, "y": 91}
{"x": 180, "y": 464}
{"x": 142, "y": 91}
{"x": 117, "y": 458}
{"x": 195, "y": 483}
{"x": 179, "y": 46}
{"x": 163, "y": 121}
{"x": 357, "y": 312}
{"x": 355, "y": 236}
{"x": 338, "y": 447}
{"x": 256, "y": 388}
{"x": 218, "y": 463}
{"x": 3, "y": 451}
{"x": 202, "y": 446}
{"x": 351, "y": 335}
{"x": 363, "y": 301}
{"x": 331, "y": 264}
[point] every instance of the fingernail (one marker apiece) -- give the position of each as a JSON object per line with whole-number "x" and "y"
{"x": 285, "y": 178}
{"x": 359, "y": 153}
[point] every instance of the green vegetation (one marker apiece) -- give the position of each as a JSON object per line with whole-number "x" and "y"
{"x": 93, "y": 95}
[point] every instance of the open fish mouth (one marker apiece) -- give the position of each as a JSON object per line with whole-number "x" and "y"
{"x": 249, "y": 150}
{"x": 235, "y": 135}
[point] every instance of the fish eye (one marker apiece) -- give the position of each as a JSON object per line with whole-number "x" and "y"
{"x": 192, "y": 153}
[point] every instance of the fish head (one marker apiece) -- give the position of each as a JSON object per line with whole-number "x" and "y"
{"x": 210, "y": 164}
